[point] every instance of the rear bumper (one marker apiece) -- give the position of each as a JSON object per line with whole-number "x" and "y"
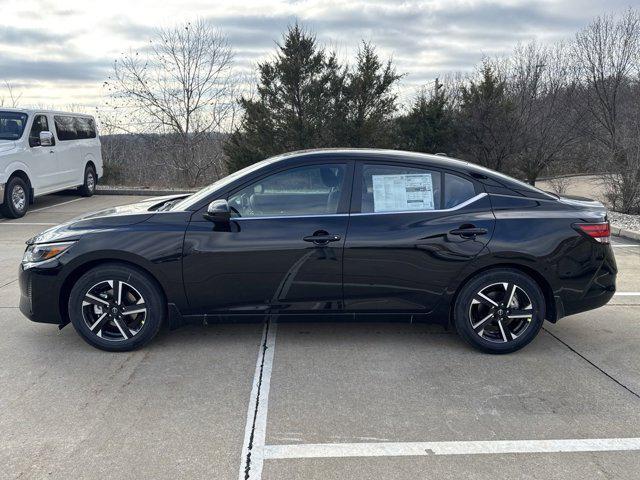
{"x": 598, "y": 289}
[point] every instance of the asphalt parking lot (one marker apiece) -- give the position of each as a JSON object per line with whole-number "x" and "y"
{"x": 322, "y": 400}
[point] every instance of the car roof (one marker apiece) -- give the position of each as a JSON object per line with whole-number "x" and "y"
{"x": 32, "y": 111}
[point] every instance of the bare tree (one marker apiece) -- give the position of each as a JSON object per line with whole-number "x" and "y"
{"x": 180, "y": 93}
{"x": 11, "y": 99}
{"x": 608, "y": 61}
{"x": 544, "y": 90}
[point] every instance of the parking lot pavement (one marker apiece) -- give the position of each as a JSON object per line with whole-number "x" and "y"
{"x": 322, "y": 400}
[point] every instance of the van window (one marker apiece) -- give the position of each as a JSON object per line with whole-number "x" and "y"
{"x": 65, "y": 128}
{"x": 12, "y": 125}
{"x": 85, "y": 127}
{"x": 40, "y": 124}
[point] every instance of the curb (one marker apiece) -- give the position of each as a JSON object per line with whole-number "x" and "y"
{"x": 138, "y": 191}
{"x": 622, "y": 232}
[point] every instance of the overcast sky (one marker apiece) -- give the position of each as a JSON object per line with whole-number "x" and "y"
{"x": 58, "y": 53}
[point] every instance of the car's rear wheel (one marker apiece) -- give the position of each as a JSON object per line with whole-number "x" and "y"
{"x": 88, "y": 188}
{"x": 499, "y": 311}
{"x": 16, "y": 198}
{"x": 116, "y": 307}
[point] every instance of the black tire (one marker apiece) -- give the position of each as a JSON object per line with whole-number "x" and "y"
{"x": 88, "y": 188}
{"x": 108, "y": 333}
{"x": 16, "y": 198}
{"x": 484, "y": 317}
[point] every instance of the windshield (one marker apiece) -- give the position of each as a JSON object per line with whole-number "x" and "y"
{"x": 191, "y": 200}
{"x": 12, "y": 125}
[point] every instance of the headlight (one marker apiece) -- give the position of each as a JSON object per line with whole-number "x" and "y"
{"x": 42, "y": 252}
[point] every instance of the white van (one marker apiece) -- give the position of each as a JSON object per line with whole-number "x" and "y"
{"x": 43, "y": 152}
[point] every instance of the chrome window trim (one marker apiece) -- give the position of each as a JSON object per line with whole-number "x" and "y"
{"x": 452, "y": 209}
{"x": 275, "y": 217}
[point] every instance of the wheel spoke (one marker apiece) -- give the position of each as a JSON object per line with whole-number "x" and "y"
{"x": 510, "y": 291}
{"x": 505, "y": 332}
{"x": 99, "y": 323}
{"x": 133, "y": 309}
{"x": 93, "y": 300}
{"x": 482, "y": 298}
{"x": 117, "y": 291}
{"x": 122, "y": 326}
{"x": 478, "y": 327}
{"x": 520, "y": 314}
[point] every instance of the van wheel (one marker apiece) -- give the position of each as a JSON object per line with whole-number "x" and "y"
{"x": 16, "y": 198}
{"x": 88, "y": 188}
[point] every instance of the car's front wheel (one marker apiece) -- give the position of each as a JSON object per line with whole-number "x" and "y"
{"x": 116, "y": 307}
{"x": 499, "y": 311}
{"x": 16, "y": 198}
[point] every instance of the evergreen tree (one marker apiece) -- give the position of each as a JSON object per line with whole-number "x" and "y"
{"x": 428, "y": 126}
{"x": 299, "y": 94}
{"x": 371, "y": 101}
{"x": 488, "y": 126}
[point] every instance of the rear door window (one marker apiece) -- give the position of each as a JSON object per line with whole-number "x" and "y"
{"x": 397, "y": 188}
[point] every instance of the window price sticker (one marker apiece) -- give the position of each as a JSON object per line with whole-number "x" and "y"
{"x": 396, "y": 193}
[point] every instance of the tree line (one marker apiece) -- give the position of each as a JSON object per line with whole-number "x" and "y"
{"x": 573, "y": 106}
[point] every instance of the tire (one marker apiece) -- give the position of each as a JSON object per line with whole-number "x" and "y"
{"x": 16, "y": 198}
{"x": 88, "y": 188}
{"x": 102, "y": 321}
{"x": 484, "y": 318}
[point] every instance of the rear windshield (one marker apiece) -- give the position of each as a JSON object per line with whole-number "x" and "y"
{"x": 12, "y": 125}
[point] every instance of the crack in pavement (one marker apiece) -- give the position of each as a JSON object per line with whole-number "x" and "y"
{"x": 611, "y": 377}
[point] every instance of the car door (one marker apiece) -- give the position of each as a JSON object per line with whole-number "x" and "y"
{"x": 412, "y": 230}
{"x": 43, "y": 160}
{"x": 282, "y": 250}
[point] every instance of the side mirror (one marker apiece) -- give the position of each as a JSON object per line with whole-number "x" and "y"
{"x": 218, "y": 211}
{"x": 46, "y": 139}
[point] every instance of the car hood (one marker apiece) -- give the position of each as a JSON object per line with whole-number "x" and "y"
{"x": 121, "y": 216}
{"x": 6, "y": 145}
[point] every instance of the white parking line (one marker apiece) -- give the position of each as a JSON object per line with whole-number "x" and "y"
{"x": 342, "y": 450}
{"x": 627, "y": 294}
{"x": 252, "y": 457}
{"x": 57, "y": 204}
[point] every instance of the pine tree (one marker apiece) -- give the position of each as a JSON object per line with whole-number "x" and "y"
{"x": 428, "y": 126}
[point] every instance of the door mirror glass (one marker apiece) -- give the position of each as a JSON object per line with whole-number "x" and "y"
{"x": 218, "y": 211}
{"x": 46, "y": 139}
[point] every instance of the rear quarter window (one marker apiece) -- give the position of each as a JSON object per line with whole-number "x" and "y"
{"x": 457, "y": 190}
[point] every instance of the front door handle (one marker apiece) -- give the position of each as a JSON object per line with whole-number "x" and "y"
{"x": 322, "y": 239}
{"x": 469, "y": 232}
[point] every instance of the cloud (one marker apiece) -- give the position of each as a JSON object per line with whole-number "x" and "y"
{"x": 12, "y": 68}
{"x": 28, "y": 36}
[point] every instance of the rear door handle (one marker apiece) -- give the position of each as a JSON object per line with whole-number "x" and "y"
{"x": 322, "y": 239}
{"x": 469, "y": 232}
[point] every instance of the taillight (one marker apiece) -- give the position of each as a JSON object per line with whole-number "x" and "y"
{"x": 600, "y": 232}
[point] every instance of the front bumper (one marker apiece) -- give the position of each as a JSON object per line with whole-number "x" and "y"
{"x": 40, "y": 294}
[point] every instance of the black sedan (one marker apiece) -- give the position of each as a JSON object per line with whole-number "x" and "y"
{"x": 333, "y": 233}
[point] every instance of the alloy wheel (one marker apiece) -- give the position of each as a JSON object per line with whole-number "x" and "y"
{"x": 91, "y": 181}
{"x": 114, "y": 310}
{"x": 501, "y": 312}
{"x": 18, "y": 198}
